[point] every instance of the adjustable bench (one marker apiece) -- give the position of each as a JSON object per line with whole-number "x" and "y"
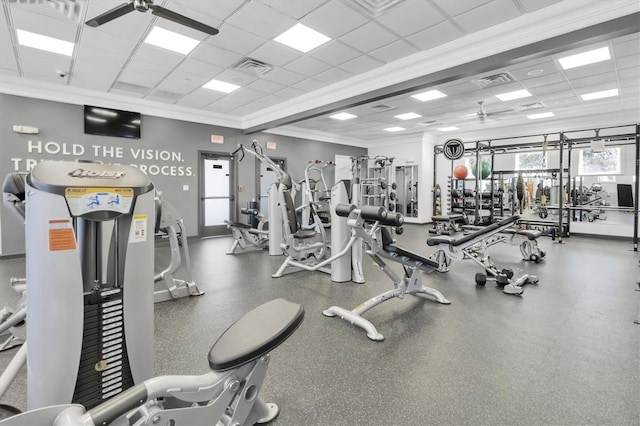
{"x": 526, "y": 239}
{"x": 447, "y": 225}
{"x": 368, "y": 223}
{"x": 474, "y": 246}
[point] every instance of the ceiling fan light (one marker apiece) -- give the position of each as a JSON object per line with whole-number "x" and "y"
{"x": 170, "y": 40}
{"x": 42, "y": 42}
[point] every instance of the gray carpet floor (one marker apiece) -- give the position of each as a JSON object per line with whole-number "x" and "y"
{"x": 566, "y": 352}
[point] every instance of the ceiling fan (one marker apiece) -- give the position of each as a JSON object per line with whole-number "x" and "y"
{"x": 145, "y": 5}
{"x": 483, "y": 115}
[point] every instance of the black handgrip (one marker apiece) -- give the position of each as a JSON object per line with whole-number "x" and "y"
{"x": 120, "y": 404}
{"x": 344, "y": 209}
{"x": 373, "y": 213}
{"x": 245, "y": 210}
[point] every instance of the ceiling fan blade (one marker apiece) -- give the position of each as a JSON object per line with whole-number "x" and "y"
{"x": 501, "y": 112}
{"x": 110, "y": 15}
{"x": 181, "y": 19}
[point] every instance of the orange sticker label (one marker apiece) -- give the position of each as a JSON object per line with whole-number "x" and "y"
{"x": 61, "y": 236}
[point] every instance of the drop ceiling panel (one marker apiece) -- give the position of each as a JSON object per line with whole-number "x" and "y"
{"x": 197, "y": 67}
{"x": 260, "y": 19}
{"x": 289, "y": 92}
{"x": 334, "y": 53}
{"x": 391, "y": 52}
{"x": 142, "y": 73}
{"x": 197, "y": 13}
{"x": 608, "y": 79}
{"x": 97, "y": 70}
{"x": 544, "y": 80}
{"x": 236, "y": 77}
{"x": 56, "y": 27}
{"x": 294, "y": 9}
{"x": 631, "y": 61}
{"x": 161, "y": 58}
{"x": 275, "y": 53}
{"x": 333, "y": 75}
{"x": 101, "y": 41}
{"x": 237, "y": 40}
{"x": 487, "y": 15}
{"x": 457, "y": 7}
{"x": 7, "y": 55}
{"x": 599, "y": 68}
{"x": 441, "y": 33}
{"x": 334, "y": 19}
{"x": 360, "y": 65}
{"x": 212, "y": 54}
{"x": 533, "y": 5}
{"x": 220, "y": 10}
{"x": 368, "y": 37}
{"x": 552, "y": 88}
{"x": 266, "y": 86}
{"x": 182, "y": 83}
{"x": 283, "y": 76}
{"x": 309, "y": 85}
{"x": 200, "y": 98}
{"x": 629, "y": 73}
{"x": 410, "y": 17}
{"x": 40, "y": 63}
{"x": 308, "y": 66}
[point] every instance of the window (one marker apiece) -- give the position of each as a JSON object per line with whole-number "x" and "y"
{"x": 530, "y": 161}
{"x": 606, "y": 162}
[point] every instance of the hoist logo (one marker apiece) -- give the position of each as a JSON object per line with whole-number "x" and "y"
{"x": 105, "y": 174}
{"x": 453, "y": 149}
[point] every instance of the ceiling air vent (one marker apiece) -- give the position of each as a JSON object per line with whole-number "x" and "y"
{"x": 130, "y": 87}
{"x": 253, "y": 66}
{"x": 382, "y": 108}
{"x": 72, "y": 9}
{"x": 373, "y": 8}
{"x": 494, "y": 80}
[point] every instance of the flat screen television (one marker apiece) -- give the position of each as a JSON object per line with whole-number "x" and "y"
{"x": 111, "y": 122}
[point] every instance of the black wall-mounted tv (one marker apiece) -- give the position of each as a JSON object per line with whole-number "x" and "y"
{"x": 111, "y": 122}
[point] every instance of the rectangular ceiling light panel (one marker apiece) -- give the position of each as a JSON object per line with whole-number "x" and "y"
{"x": 302, "y": 38}
{"x": 220, "y": 86}
{"x": 429, "y": 96}
{"x": 395, "y": 129}
{"x": 599, "y": 95}
{"x": 541, "y": 115}
{"x": 342, "y": 116}
{"x": 509, "y": 96}
{"x": 408, "y": 116}
{"x": 586, "y": 58}
{"x": 170, "y": 40}
{"x": 448, "y": 129}
{"x": 42, "y": 42}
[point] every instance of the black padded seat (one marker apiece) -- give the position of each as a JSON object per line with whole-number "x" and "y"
{"x": 509, "y": 220}
{"x": 239, "y": 224}
{"x": 303, "y": 234}
{"x": 257, "y": 333}
{"x": 448, "y": 218}
{"x": 530, "y": 233}
{"x": 388, "y": 246}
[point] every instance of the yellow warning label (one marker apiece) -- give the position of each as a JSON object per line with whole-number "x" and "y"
{"x": 61, "y": 236}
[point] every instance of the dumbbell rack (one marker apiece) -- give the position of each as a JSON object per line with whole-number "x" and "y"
{"x": 375, "y": 176}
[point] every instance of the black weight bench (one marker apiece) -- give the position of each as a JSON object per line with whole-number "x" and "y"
{"x": 447, "y": 225}
{"x": 368, "y": 223}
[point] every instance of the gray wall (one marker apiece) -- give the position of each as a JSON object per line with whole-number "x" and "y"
{"x": 61, "y": 137}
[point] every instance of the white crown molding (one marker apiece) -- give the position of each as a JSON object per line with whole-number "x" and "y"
{"x": 297, "y": 132}
{"x": 547, "y": 22}
{"x": 12, "y": 85}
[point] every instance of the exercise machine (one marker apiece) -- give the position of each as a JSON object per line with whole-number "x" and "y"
{"x": 313, "y": 193}
{"x": 246, "y": 236}
{"x": 525, "y": 239}
{"x": 228, "y": 394}
{"x": 370, "y": 224}
{"x": 89, "y": 245}
{"x": 474, "y": 247}
{"x": 169, "y": 224}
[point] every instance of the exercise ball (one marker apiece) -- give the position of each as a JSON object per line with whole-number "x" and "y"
{"x": 460, "y": 172}
{"x": 486, "y": 170}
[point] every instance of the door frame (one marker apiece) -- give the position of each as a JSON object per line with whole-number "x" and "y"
{"x": 233, "y": 191}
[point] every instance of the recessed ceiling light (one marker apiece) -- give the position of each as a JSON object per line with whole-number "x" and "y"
{"x": 586, "y": 58}
{"x": 342, "y": 116}
{"x": 394, "y": 129}
{"x": 599, "y": 95}
{"x": 448, "y": 129}
{"x": 541, "y": 115}
{"x": 408, "y": 116}
{"x": 302, "y": 38}
{"x": 49, "y": 44}
{"x": 221, "y": 86}
{"x": 170, "y": 40}
{"x": 514, "y": 95}
{"x": 428, "y": 96}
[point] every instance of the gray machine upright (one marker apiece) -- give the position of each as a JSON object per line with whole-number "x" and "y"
{"x": 90, "y": 258}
